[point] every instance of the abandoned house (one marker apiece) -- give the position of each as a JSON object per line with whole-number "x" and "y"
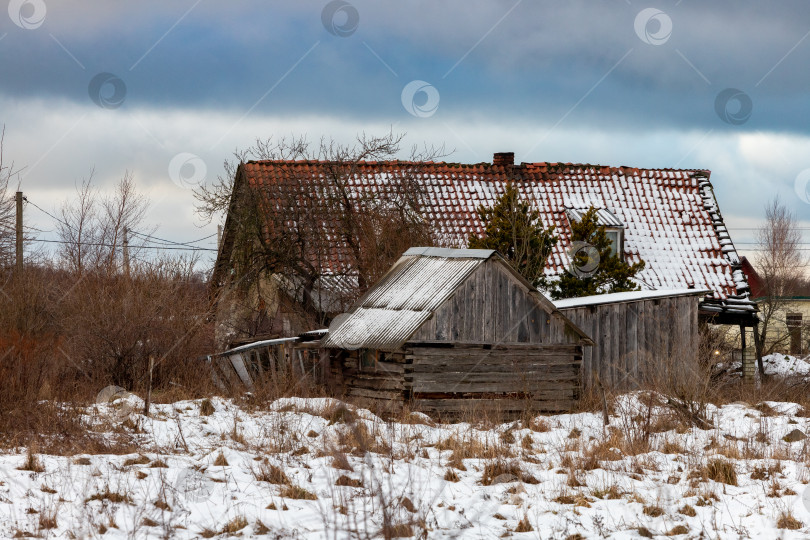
{"x": 450, "y": 330}
{"x": 668, "y": 218}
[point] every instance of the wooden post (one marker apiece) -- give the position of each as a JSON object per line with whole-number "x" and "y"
{"x": 149, "y": 388}
{"x": 605, "y": 416}
{"x": 19, "y": 234}
{"x": 758, "y": 348}
{"x": 748, "y": 366}
{"x": 126, "y": 251}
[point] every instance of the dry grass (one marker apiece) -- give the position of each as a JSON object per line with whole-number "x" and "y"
{"x": 505, "y": 471}
{"x": 345, "y": 481}
{"x": 720, "y": 470}
{"x": 297, "y": 492}
{"x": 220, "y": 460}
{"x": 140, "y": 460}
{"x": 32, "y": 462}
{"x": 653, "y": 510}
{"x": 610, "y": 492}
{"x": 341, "y": 462}
{"x": 786, "y": 520}
{"x": 472, "y": 448}
{"x": 108, "y": 495}
{"x": 687, "y": 510}
{"x": 267, "y": 472}
{"x": 207, "y": 408}
{"x": 235, "y": 525}
{"x": 524, "y": 525}
{"x": 48, "y": 520}
{"x": 397, "y": 530}
{"x": 539, "y": 425}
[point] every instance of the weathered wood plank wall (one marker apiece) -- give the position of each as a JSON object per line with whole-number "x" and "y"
{"x": 633, "y": 340}
{"x": 492, "y": 306}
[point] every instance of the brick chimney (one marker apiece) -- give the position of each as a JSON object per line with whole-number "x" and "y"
{"x": 503, "y": 158}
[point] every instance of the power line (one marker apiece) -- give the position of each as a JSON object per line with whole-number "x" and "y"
{"x": 172, "y": 242}
{"x": 166, "y": 244}
{"x": 102, "y": 244}
{"x": 48, "y": 213}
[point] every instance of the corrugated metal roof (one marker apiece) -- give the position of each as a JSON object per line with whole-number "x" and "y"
{"x": 392, "y": 310}
{"x": 451, "y": 253}
{"x": 603, "y": 216}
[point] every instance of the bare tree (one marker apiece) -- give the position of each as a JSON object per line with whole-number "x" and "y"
{"x": 7, "y": 213}
{"x": 92, "y": 227}
{"x": 290, "y": 228}
{"x": 780, "y": 264}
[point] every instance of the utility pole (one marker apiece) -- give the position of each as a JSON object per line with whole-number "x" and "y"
{"x": 126, "y": 251}
{"x": 19, "y": 234}
{"x": 219, "y": 238}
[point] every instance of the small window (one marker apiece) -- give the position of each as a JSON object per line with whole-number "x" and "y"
{"x": 614, "y": 228}
{"x": 615, "y": 237}
{"x": 368, "y": 360}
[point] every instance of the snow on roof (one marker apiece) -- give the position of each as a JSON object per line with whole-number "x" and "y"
{"x": 632, "y": 296}
{"x": 671, "y": 218}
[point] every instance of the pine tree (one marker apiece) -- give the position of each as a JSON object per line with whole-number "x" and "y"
{"x": 589, "y": 274}
{"x": 513, "y": 229}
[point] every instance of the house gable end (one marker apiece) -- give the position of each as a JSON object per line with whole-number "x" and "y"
{"x": 493, "y": 306}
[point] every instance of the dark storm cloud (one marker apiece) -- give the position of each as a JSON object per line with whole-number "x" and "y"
{"x": 539, "y": 61}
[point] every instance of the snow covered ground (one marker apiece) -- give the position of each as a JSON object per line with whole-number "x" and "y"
{"x": 314, "y": 469}
{"x": 781, "y": 365}
{"x": 785, "y": 365}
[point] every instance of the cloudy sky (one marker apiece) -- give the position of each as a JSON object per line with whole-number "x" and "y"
{"x": 167, "y": 90}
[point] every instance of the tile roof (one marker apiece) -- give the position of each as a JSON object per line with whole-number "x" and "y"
{"x": 671, "y": 218}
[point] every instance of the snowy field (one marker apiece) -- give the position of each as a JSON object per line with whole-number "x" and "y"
{"x": 315, "y": 469}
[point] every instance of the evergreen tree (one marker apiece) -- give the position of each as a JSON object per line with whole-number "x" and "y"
{"x": 589, "y": 274}
{"x": 513, "y": 229}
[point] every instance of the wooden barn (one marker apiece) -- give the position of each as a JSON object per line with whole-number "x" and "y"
{"x": 636, "y": 335}
{"x": 452, "y": 330}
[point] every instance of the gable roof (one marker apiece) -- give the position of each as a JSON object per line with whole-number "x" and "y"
{"x": 671, "y": 218}
{"x": 407, "y": 296}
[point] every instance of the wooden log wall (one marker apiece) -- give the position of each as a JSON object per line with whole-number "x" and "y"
{"x": 635, "y": 342}
{"x": 510, "y": 378}
{"x": 379, "y": 387}
{"x": 453, "y": 380}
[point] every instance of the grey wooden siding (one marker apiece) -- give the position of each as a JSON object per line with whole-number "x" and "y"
{"x": 492, "y": 306}
{"x": 633, "y": 340}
